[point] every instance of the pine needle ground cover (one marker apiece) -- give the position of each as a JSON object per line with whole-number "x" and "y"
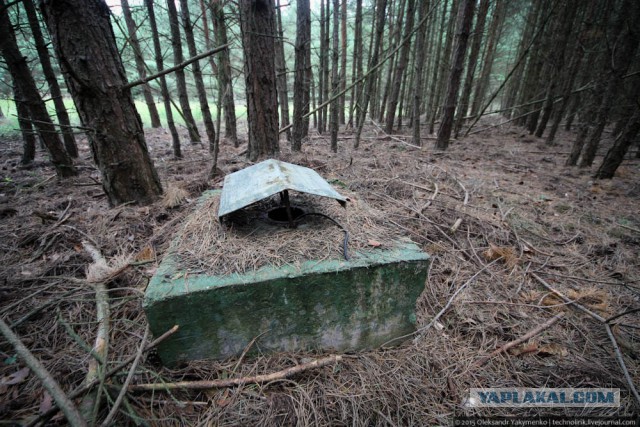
{"x": 497, "y": 211}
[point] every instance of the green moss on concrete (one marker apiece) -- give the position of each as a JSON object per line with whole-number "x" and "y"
{"x": 331, "y": 305}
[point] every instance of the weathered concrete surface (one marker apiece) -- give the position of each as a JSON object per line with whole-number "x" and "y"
{"x": 331, "y": 305}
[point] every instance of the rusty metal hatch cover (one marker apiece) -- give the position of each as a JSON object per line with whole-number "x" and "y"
{"x": 270, "y": 177}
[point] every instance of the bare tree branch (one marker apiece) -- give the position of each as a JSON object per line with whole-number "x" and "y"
{"x": 176, "y": 67}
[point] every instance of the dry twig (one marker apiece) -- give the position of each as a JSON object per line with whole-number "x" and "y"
{"x": 132, "y": 370}
{"x": 64, "y": 402}
{"x": 232, "y": 382}
{"x": 532, "y": 333}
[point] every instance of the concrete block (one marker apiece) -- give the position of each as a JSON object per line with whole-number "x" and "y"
{"x": 328, "y": 305}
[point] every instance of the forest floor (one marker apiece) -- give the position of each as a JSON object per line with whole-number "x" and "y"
{"x": 499, "y": 213}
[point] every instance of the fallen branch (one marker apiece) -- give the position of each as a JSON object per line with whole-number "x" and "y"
{"x": 623, "y": 366}
{"x": 91, "y": 402}
{"x": 627, "y": 227}
{"x": 123, "y": 391}
{"x": 525, "y": 337}
{"x": 395, "y": 138}
{"x": 232, "y": 382}
{"x": 612, "y": 337}
{"x": 87, "y": 386}
{"x": 50, "y": 384}
{"x": 568, "y": 300}
{"x": 175, "y": 67}
{"x": 446, "y": 307}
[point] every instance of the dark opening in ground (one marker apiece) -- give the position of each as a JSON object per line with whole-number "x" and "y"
{"x": 279, "y": 215}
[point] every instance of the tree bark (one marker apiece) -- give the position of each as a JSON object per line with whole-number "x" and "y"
{"x": 432, "y": 105}
{"x": 417, "y": 75}
{"x": 513, "y": 89}
{"x": 565, "y": 93}
{"x": 140, "y": 65}
{"x": 207, "y": 36}
{"x": 611, "y": 64}
{"x": 257, "y": 20}
{"x": 463, "y": 25}
{"x": 618, "y": 63}
{"x": 281, "y": 70}
{"x": 86, "y": 47}
{"x": 478, "y": 34}
{"x": 335, "y": 85}
{"x": 166, "y": 98}
{"x": 21, "y": 75}
{"x": 197, "y": 73}
{"x": 395, "y": 34}
{"x": 400, "y": 67}
{"x": 54, "y": 88}
{"x": 301, "y": 82}
{"x": 181, "y": 80}
{"x": 563, "y": 27}
{"x": 343, "y": 60}
{"x": 381, "y": 7}
{"x": 615, "y": 155}
{"x": 487, "y": 63}
{"x": 24, "y": 122}
{"x": 225, "y": 80}
{"x": 322, "y": 63}
{"x": 356, "y": 72}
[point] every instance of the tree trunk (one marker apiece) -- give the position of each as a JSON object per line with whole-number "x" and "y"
{"x": 417, "y": 75}
{"x": 437, "y": 67}
{"x": 86, "y": 46}
{"x": 47, "y": 69}
{"x": 207, "y": 41}
{"x": 487, "y": 63}
{"x": 166, "y": 98}
{"x": 445, "y": 65}
{"x": 257, "y": 19}
{"x": 22, "y": 78}
{"x": 181, "y": 80}
{"x": 561, "y": 44}
{"x": 327, "y": 69}
{"x": 513, "y": 89}
{"x": 301, "y": 82}
{"x": 478, "y": 34}
{"x": 335, "y": 84}
{"x": 24, "y": 122}
{"x": 615, "y": 155}
{"x": 356, "y": 72}
{"x": 402, "y": 64}
{"x": 395, "y": 34}
{"x": 343, "y": 63}
{"x": 611, "y": 65}
{"x": 281, "y": 70}
{"x": 463, "y": 25}
{"x": 381, "y": 6}
{"x": 225, "y": 80}
{"x": 565, "y": 93}
{"x": 357, "y": 61}
{"x": 140, "y": 65}
{"x": 322, "y": 63}
{"x": 618, "y": 62}
{"x": 197, "y": 73}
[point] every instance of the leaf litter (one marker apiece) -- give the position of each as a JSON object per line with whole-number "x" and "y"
{"x": 489, "y": 184}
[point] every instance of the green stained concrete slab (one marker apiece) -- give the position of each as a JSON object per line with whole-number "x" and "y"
{"x": 331, "y": 305}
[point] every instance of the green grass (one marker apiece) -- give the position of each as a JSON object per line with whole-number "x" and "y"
{"x": 9, "y": 125}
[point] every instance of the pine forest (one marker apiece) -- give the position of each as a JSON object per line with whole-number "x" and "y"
{"x": 500, "y": 138}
